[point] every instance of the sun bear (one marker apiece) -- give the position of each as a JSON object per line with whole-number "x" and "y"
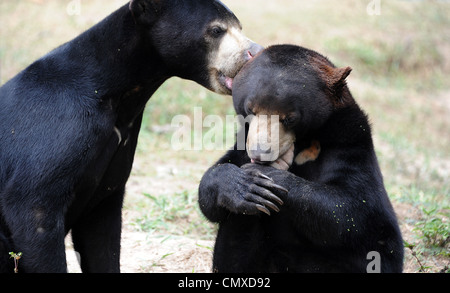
{"x": 70, "y": 123}
{"x": 306, "y": 194}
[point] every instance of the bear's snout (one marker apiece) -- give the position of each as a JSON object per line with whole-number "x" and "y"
{"x": 268, "y": 139}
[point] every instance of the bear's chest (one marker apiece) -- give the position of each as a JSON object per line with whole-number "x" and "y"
{"x": 107, "y": 172}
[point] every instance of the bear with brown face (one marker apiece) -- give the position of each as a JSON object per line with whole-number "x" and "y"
{"x": 307, "y": 194}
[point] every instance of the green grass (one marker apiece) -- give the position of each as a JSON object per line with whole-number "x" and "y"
{"x": 400, "y": 61}
{"x": 173, "y": 214}
{"x": 435, "y": 230}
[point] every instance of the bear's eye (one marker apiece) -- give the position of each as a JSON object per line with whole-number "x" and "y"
{"x": 248, "y": 110}
{"x": 216, "y": 31}
{"x": 288, "y": 121}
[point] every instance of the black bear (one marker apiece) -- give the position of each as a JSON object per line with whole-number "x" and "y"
{"x": 323, "y": 208}
{"x": 70, "y": 123}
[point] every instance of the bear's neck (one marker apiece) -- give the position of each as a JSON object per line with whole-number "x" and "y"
{"x": 125, "y": 69}
{"x": 345, "y": 125}
{"x": 120, "y": 45}
{"x": 348, "y": 125}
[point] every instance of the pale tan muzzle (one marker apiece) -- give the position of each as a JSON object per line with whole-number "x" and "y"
{"x": 267, "y": 139}
{"x": 234, "y": 51}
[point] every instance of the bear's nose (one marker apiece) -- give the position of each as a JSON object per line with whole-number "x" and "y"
{"x": 258, "y": 153}
{"x": 254, "y": 50}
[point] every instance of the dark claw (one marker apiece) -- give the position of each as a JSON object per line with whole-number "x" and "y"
{"x": 272, "y": 185}
{"x": 270, "y": 196}
{"x": 263, "y": 209}
{"x": 267, "y": 195}
{"x": 264, "y": 176}
{"x": 271, "y": 206}
{"x": 276, "y": 186}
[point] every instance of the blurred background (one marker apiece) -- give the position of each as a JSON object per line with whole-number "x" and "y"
{"x": 400, "y": 55}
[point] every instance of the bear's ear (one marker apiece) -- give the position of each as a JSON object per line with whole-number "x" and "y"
{"x": 332, "y": 76}
{"x": 335, "y": 81}
{"x": 335, "y": 77}
{"x": 145, "y": 11}
{"x": 340, "y": 74}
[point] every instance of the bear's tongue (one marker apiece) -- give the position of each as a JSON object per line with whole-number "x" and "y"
{"x": 229, "y": 82}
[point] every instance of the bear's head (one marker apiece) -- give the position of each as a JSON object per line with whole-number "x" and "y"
{"x": 291, "y": 91}
{"x": 200, "y": 40}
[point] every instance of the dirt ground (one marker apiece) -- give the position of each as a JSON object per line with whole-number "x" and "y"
{"x": 144, "y": 252}
{"x": 179, "y": 254}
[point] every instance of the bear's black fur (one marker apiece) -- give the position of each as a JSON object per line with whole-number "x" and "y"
{"x": 333, "y": 210}
{"x": 70, "y": 123}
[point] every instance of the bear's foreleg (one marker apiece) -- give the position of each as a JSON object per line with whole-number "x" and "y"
{"x": 96, "y": 236}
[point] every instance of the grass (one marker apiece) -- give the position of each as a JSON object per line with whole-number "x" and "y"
{"x": 175, "y": 214}
{"x": 435, "y": 230}
{"x": 401, "y": 64}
